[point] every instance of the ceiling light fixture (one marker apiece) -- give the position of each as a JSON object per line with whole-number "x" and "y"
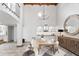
{"x": 43, "y": 14}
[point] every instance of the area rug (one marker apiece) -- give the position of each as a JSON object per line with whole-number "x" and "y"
{"x": 58, "y": 53}
{"x": 46, "y": 54}
{"x": 29, "y": 53}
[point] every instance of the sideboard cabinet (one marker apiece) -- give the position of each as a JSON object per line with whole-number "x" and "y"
{"x": 71, "y": 44}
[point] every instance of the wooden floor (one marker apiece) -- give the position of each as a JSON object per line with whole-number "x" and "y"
{"x": 10, "y": 49}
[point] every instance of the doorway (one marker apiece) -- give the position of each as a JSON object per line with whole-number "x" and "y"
{"x": 10, "y": 33}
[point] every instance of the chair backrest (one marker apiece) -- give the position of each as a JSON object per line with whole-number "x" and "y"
{"x": 29, "y": 53}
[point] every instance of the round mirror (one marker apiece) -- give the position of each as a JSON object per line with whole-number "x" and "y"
{"x": 71, "y": 25}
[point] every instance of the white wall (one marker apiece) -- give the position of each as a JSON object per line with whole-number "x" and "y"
{"x": 64, "y": 10}
{"x": 17, "y": 10}
{"x": 32, "y": 21}
{"x": 3, "y": 35}
{"x": 19, "y": 27}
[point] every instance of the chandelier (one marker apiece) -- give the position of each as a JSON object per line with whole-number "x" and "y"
{"x": 43, "y": 14}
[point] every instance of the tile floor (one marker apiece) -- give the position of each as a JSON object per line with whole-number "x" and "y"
{"x": 10, "y": 49}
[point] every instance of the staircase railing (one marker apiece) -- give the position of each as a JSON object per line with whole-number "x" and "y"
{"x": 6, "y": 6}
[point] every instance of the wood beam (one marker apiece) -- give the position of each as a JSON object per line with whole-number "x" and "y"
{"x": 40, "y": 4}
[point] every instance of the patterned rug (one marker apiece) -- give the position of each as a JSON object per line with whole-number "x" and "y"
{"x": 29, "y": 53}
{"x": 47, "y": 52}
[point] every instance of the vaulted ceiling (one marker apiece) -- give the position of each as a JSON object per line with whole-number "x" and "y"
{"x": 41, "y": 4}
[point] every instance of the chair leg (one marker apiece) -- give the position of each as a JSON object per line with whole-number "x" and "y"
{"x": 58, "y": 50}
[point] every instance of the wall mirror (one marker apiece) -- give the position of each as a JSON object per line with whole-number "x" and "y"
{"x": 71, "y": 25}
